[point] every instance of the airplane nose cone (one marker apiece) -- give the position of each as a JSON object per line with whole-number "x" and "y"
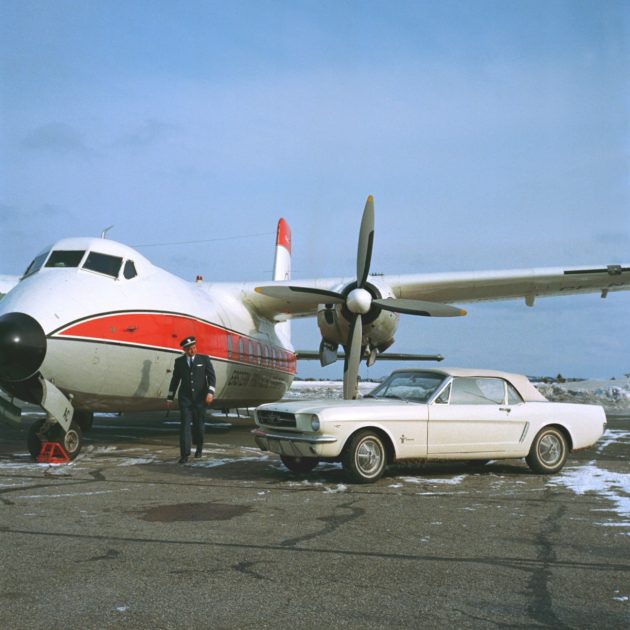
{"x": 22, "y": 346}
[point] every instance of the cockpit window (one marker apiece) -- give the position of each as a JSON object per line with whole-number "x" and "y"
{"x": 36, "y": 265}
{"x": 129, "y": 270}
{"x": 103, "y": 263}
{"x": 65, "y": 258}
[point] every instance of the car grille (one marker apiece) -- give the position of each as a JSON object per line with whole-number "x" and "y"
{"x": 276, "y": 418}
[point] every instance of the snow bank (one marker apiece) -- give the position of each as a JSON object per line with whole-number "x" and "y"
{"x": 613, "y": 394}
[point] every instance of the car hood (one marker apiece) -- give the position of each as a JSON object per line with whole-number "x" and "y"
{"x": 317, "y": 406}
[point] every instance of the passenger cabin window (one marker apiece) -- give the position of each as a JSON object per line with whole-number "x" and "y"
{"x": 36, "y": 265}
{"x": 65, "y": 258}
{"x": 129, "y": 271}
{"x": 103, "y": 263}
{"x": 478, "y": 391}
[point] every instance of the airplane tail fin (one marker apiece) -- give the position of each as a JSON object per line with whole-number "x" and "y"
{"x": 282, "y": 271}
{"x": 282, "y": 261}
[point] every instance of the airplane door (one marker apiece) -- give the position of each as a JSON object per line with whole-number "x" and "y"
{"x": 476, "y": 419}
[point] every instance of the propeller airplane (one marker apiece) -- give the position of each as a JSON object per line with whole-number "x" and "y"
{"x": 93, "y": 325}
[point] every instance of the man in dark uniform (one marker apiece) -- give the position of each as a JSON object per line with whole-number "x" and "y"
{"x": 194, "y": 375}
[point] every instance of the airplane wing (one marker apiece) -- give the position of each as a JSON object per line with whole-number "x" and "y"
{"x": 449, "y": 287}
{"x": 7, "y": 283}
{"x": 528, "y": 284}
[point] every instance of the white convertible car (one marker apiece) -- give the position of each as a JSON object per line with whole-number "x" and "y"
{"x": 430, "y": 415}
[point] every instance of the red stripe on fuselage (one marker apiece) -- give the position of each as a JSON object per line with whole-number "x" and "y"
{"x": 165, "y": 331}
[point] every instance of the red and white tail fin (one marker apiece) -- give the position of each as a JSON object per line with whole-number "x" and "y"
{"x": 282, "y": 271}
{"x": 282, "y": 261}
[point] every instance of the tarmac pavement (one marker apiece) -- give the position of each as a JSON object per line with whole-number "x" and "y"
{"x": 124, "y": 537}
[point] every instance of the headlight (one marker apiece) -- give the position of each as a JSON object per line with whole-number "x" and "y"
{"x": 314, "y": 423}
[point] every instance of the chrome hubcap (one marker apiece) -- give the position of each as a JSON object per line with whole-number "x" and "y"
{"x": 369, "y": 456}
{"x": 550, "y": 449}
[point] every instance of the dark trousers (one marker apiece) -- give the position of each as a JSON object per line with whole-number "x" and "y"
{"x": 194, "y": 414}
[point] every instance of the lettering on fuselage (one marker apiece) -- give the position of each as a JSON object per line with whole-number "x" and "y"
{"x": 243, "y": 379}
{"x": 239, "y": 378}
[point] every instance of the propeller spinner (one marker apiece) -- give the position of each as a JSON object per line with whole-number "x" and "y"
{"x": 360, "y": 302}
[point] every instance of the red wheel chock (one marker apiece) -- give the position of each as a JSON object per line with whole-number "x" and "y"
{"x": 52, "y": 453}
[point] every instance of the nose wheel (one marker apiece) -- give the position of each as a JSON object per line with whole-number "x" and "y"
{"x": 44, "y": 431}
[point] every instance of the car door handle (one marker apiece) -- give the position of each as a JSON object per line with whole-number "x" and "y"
{"x": 505, "y": 409}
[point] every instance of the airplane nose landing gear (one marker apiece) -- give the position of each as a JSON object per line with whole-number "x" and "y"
{"x": 46, "y": 430}
{"x": 22, "y": 346}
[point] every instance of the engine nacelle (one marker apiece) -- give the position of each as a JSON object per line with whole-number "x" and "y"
{"x": 379, "y": 326}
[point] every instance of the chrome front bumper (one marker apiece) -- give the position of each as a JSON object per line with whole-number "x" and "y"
{"x": 293, "y": 445}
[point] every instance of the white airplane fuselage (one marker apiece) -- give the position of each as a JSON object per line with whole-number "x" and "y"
{"x": 111, "y": 341}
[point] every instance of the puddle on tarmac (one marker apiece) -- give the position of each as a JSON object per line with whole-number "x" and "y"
{"x": 193, "y": 512}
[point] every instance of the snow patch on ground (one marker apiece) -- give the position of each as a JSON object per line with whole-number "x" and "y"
{"x": 452, "y": 481}
{"x": 590, "y": 478}
{"x": 612, "y": 436}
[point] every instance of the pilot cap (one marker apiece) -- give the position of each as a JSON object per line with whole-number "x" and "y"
{"x": 189, "y": 341}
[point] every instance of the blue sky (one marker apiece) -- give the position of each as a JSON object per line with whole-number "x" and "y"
{"x": 492, "y": 135}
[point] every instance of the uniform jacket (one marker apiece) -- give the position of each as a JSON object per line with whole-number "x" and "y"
{"x": 195, "y": 382}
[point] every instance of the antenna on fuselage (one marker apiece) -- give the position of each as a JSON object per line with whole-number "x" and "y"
{"x": 104, "y": 232}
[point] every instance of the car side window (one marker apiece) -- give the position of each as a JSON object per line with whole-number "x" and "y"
{"x": 477, "y": 391}
{"x": 442, "y": 399}
{"x": 514, "y": 398}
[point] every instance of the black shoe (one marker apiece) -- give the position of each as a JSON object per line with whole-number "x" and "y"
{"x": 198, "y": 453}
{"x": 183, "y": 460}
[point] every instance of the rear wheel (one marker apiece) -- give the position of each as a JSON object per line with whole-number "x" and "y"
{"x": 299, "y": 464}
{"x": 365, "y": 457}
{"x": 549, "y": 451}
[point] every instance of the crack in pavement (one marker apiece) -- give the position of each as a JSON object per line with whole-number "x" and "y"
{"x": 331, "y": 523}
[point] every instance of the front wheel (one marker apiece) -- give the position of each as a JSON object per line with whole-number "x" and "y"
{"x": 365, "y": 457}
{"x": 71, "y": 440}
{"x": 299, "y": 464}
{"x": 549, "y": 451}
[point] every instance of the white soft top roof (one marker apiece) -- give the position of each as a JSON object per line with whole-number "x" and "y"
{"x": 527, "y": 391}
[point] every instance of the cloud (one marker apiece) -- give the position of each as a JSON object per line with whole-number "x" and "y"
{"x": 58, "y": 138}
{"x": 150, "y": 132}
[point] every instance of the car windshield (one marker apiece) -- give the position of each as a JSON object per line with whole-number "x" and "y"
{"x": 413, "y": 386}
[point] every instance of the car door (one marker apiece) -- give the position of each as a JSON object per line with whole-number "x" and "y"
{"x": 474, "y": 417}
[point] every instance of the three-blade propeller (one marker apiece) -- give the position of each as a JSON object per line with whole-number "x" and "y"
{"x": 359, "y": 302}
